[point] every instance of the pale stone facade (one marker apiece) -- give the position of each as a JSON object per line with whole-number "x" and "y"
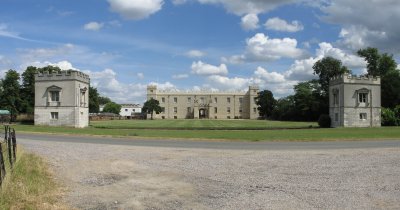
{"x": 205, "y": 104}
{"x": 128, "y": 110}
{"x": 355, "y": 101}
{"x": 62, "y": 99}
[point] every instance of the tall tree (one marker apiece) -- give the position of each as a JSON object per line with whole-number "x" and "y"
{"x": 93, "y": 100}
{"x": 11, "y": 94}
{"x": 112, "y": 107}
{"x": 104, "y": 100}
{"x": 384, "y": 65}
{"x": 28, "y": 89}
{"x": 151, "y": 106}
{"x": 327, "y": 68}
{"x": 309, "y": 102}
{"x": 266, "y": 103}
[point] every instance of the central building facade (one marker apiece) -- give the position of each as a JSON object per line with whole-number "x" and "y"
{"x": 205, "y": 104}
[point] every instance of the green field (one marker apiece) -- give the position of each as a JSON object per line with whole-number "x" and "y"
{"x": 220, "y": 130}
{"x": 200, "y": 124}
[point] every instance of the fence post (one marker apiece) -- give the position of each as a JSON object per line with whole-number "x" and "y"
{"x": 14, "y": 144}
{"x": 9, "y": 145}
{"x": 2, "y": 166}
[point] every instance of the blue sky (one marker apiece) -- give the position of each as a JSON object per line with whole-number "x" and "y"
{"x": 124, "y": 45}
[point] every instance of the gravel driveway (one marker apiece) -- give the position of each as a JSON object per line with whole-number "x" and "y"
{"x": 132, "y": 177}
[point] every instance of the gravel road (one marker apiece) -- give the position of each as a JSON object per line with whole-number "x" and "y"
{"x": 101, "y": 176}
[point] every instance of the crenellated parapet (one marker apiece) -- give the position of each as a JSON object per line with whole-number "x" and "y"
{"x": 348, "y": 78}
{"x": 63, "y": 75}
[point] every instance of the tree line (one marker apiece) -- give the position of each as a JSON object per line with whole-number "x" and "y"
{"x": 311, "y": 98}
{"x": 17, "y": 93}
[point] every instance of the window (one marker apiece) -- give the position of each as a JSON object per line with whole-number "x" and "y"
{"x": 229, "y": 117}
{"x": 255, "y": 100}
{"x": 202, "y": 100}
{"x": 255, "y": 110}
{"x": 335, "y": 99}
{"x": 55, "y": 95}
{"x": 163, "y": 99}
{"x": 336, "y": 117}
{"x": 54, "y": 115}
{"x": 215, "y": 100}
{"x": 189, "y": 109}
{"x": 126, "y": 110}
{"x": 175, "y": 117}
{"x": 175, "y": 110}
{"x": 362, "y": 97}
{"x": 240, "y": 101}
{"x": 189, "y": 100}
{"x": 228, "y": 100}
{"x": 363, "y": 116}
{"x": 228, "y": 109}
{"x": 162, "y": 109}
{"x": 133, "y": 110}
{"x": 240, "y": 110}
{"x": 215, "y": 110}
{"x": 175, "y": 100}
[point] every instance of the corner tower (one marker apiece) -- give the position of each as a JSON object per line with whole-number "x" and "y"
{"x": 355, "y": 101}
{"x": 62, "y": 99}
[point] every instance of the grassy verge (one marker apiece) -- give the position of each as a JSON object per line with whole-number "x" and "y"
{"x": 29, "y": 185}
{"x": 244, "y": 135}
{"x": 187, "y": 124}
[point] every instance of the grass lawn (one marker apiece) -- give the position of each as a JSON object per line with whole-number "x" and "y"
{"x": 188, "y": 124}
{"x": 238, "y": 135}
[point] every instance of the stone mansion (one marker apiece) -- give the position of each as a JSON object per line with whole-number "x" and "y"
{"x": 205, "y": 104}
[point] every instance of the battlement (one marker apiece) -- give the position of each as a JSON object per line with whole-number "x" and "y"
{"x": 348, "y": 78}
{"x": 253, "y": 87}
{"x": 63, "y": 75}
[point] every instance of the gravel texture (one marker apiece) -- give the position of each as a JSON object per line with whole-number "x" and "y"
{"x": 130, "y": 177}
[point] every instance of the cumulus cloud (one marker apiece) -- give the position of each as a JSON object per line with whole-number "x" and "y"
{"x": 201, "y": 68}
{"x": 366, "y": 22}
{"x": 261, "y": 48}
{"x": 180, "y": 76}
{"x": 278, "y": 24}
{"x": 302, "y": 69}
{"x": 93, "y": 26}
{"x": 63, "y": 65}
{"x": 249, "y": 22}
{"x": 135, "y": 9}
{"x": 240, "y": 7}
{"x": 269, "y": 77}
{"x": 195, "y": 54}
{"x": 227, "y": 83}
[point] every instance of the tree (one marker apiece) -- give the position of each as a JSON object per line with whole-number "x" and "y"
{"x": 104, "y": 100}
{"x": 11, "y": 94}
{"x": 384, "y": 65}
{"x": 327, "y": 68}
{"x": 93, "y": 100}
{"x": 28, "y": 90}
{"x": 285, "y": 109}
{"x": 309, "y": 101}
{"x": 151, "y": 106}
{"x": 112, "y": 107}
{"x": 266, "y": 103}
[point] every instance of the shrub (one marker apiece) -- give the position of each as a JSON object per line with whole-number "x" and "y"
{"x": 389, "y": 117}
{"x": 324, "y": 121}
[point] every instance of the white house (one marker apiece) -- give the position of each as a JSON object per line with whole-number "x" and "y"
{"x": 130, "y": 110}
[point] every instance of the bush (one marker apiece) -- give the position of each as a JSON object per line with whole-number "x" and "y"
{"x": 389, "y": 117}
{"x": 324, "y": 121}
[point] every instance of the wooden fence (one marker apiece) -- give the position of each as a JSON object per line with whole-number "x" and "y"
{"x": 8, "y": 152}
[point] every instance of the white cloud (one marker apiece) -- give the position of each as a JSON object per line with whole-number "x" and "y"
{"x": 249, "y": 22}
{"x": 281, "y": 25}
{"x": 366, "y": 23}
{"x": 201, "y": 68}
{"x": 226, "y": 83}
{"x": 180, "y": 76}
{"x": 261, "y": 48}
{"x": 93, "y": 26}
{"x": 269, "y": 77}
{"x": 195, "y": 54}
{"x": 4, "y": 31}
{"x": 349, "y": 60}
{"x": 136, "y": 9}
{"x": 240, "y": 7}
{"x": 140, "y": 75}
{"x": 302, "y": 69}
{"x": 63, "y": 65}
